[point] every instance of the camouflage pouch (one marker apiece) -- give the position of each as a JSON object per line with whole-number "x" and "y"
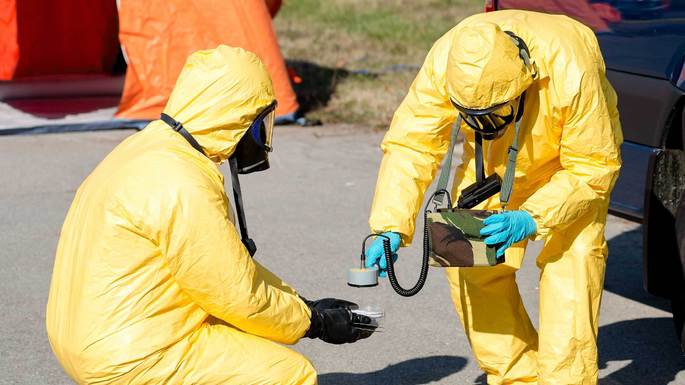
{"x": 452, "y": 235}
{"x": 454, "y": 239}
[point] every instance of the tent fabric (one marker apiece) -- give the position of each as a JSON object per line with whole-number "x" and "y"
{"x": 38, "y": 37}
{"x": 157, "y": 36}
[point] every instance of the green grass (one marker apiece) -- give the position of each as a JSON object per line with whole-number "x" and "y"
{"x": 343, "y": 38}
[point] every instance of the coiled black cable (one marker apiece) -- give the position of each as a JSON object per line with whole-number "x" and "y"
{"x": 426, "y": 252}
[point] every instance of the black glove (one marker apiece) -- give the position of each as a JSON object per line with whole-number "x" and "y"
{"x": 330, "y": 303}
{"x": 333, "y": 322}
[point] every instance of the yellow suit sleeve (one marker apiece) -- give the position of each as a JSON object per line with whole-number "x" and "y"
{"x": 211, "y": 265}
{"x": 589, "y": 155}
{"x": 413, "y": 147}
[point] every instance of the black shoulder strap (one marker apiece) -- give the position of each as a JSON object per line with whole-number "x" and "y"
{"x": 237, "y": 194}
{"x": 178, "y": 127}
{"x": 480, "y": 170}
{"x": 238, "y": 198}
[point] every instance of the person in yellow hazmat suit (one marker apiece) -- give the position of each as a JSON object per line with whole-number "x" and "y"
{"x": 151, "y": 283}
{"x": 546, "y": 73}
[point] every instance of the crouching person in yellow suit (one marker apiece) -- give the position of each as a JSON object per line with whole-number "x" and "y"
{"x": 152, "y": 283}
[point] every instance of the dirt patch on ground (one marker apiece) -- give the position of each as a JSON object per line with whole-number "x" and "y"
{"x": 358, "y": 58}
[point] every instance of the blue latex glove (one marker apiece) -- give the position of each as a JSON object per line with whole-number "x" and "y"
{"x": 507, "y": 228}
{"x": 376, "y": 256}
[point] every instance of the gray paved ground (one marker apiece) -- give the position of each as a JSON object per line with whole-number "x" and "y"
{"x": 307, "y": 215}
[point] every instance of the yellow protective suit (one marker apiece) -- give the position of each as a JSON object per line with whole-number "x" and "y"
{"x": 568, "y": 162}
{"x": 151, "y": 282}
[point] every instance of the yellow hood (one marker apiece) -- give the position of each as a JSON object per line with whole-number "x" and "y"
{"x": 218, "y": 95}
{"x": 484, "y": 67}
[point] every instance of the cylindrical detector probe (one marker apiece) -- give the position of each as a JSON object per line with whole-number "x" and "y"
{"x": 363, "y": 277}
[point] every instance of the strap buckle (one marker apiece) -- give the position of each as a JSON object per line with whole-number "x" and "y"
{"x": 178, "y": 127}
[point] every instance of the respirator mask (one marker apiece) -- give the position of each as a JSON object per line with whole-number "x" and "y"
{"x": 491, "y": 123}
{"x": 252, "y": 152}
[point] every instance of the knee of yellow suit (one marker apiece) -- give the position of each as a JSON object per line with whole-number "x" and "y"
{"x": 309, "y": 374}
{"x": 483, "y": 276}
{"x": 479, "y": 276}
{"x": 300, "y": 370}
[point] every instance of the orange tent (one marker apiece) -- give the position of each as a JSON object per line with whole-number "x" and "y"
{"x": 158, "y": 36}
{"x": 55, "y": 62}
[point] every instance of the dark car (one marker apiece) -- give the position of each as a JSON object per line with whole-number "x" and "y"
{"x": 643, "y": 44}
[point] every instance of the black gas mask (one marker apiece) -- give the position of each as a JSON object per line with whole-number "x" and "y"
{"x": 252, "y": 152}
{"x": 491, "y": 123}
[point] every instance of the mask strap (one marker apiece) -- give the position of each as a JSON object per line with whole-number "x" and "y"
{"x": 178, "y": 127}
{"x": 524, "y": 53}
{"x": 237, "y": 194}
{"x": 240, "y": 212}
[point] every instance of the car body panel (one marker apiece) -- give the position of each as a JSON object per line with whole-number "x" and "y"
{"x": 628, "y": 196}
{"x": 646, "y": 47}
{"x": 646, "y": 106}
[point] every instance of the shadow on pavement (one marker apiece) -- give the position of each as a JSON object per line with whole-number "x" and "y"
{"x": 411, "y": 372}
{"x": 624, "y": 270}
{"x": 641, "y": 351}
{"x": 317, "y": 85}
{"x": 650, "y": 347}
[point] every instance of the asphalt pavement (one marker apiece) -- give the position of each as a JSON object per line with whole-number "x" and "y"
{"x": 308, "y": 215}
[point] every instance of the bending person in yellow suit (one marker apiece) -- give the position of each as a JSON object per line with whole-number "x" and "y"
{"x": 151, "y": 283}
{"x": 547, "y": 72}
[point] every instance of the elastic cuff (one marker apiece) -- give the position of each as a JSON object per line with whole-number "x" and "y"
{"x": 315, "y": 325}
{"x": 405, "y": 240}
{"x": 541, "y": 230}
